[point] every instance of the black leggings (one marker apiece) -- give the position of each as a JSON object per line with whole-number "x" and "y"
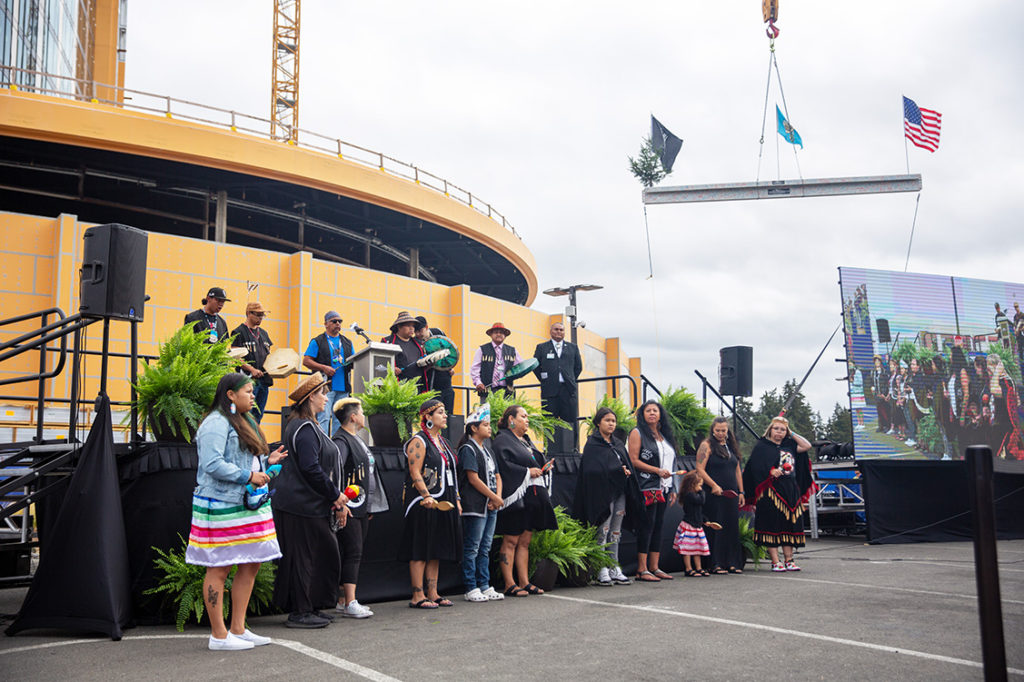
{"x": 350, "y": 548}
{"x": 648, "y": 537}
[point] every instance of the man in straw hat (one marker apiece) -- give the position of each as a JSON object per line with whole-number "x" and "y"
{"x": 403, "y": 335}
{"x": 252, "y": 337}
{"x": 492, "y": 360}
{"x": 327, "y": 353}
{"x": 207, "y": 319}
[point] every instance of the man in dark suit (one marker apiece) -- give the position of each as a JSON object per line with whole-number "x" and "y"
{"x": 559, "y": 368}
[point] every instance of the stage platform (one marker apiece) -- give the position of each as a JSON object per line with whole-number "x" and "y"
{"x": 888, "y": 611}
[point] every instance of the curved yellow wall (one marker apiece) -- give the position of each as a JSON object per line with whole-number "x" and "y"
{"x": 100, "y": 126}
{"x": 43, "y": 256}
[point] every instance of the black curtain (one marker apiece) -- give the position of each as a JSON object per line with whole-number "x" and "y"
{"x": 927, "y": 501}
{"x": 82, "y": 582}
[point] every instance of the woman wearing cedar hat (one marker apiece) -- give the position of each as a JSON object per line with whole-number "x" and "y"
{"x": 779, "y": 475}
{"x": 305, "y": 500}
{"x": 356, "y": 471}
{"x": 432, "y": 532}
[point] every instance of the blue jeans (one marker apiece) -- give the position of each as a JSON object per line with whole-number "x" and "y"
{"x": 326, "y": 418}
{"x": 477, "y": 534}
{"x": 260, "y": 393}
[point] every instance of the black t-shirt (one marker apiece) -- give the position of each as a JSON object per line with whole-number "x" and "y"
{"x": 214, "y": 325}
{"x": 258, "y": 343}
{"x": 407, "y": 360}
{"x": 483, "y": 465}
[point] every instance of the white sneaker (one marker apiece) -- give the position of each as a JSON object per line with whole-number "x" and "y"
{"x": 618, "y": 576}
{"x": 356, "y": 610}
{"x": 492, "y": 594}
{"x": 890, "y": 432}
{"x": 229, "y": 643}
{"x": 910, "y": 441}
{"x": 604, "y": 578}
{"x": 475, "y": 595}
{"x": 250, "y": 636}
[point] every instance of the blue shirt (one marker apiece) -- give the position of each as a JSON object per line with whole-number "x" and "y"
{"x": 337, "y": 360}
{"x": 224, "y": 464}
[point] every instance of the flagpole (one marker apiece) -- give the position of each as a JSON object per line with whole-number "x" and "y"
{"x": 906, "y": 147}
{"x": 650, "y": 260}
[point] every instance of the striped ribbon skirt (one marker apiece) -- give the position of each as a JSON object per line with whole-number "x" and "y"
{"x": 226, "y": 533}
{"x": 691, "y": 541}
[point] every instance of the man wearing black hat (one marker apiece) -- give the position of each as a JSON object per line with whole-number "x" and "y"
{"x": 251, "y": 336}
{"x": 403, "y": 335}
{"x": 327, "y": 353}
{"x": 439, "y": 380}
{"x": 207, "y": 319}
{"x": 559, "y": 368}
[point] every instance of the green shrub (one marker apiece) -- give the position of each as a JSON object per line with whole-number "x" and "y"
{"x": 625, "y": 417}
{"x": 754, "y": 551}
{"x": 690, "y": 420}
{"x": 542, "y": 424}
{"x": 182, "y": 583}
{"x": 928, "y": 435}
{"x": 572, "y": 545}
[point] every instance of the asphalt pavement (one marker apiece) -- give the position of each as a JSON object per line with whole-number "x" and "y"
{"x": 855, "y": 612}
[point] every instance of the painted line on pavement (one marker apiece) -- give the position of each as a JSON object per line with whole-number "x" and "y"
{"x": 968, "y": 565}
{"x": 785, "y": 631}
{"x": 972, "y": 597}
{"x": 298, "y": 647}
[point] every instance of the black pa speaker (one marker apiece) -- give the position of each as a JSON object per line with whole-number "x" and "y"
{"x": 883, "y": 330}
{"x": 736, "y": 371}
{"x": 113, "y": 272}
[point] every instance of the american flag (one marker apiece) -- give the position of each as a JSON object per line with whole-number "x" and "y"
{"x": 921, "y": 126}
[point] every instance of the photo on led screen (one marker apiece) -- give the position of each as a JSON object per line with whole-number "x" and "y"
{"x": 933, "y": 364}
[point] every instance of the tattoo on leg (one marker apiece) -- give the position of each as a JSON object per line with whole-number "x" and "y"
{"x": 431, "y": 583}
{"x": 503, "y": 558}
{"x": 416, "y": 589}
{"x": 212, "y": 596}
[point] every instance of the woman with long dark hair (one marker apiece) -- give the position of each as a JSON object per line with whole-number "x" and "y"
{"x": 356, "y": 467}
{"x": 652, "y": 453}
{"x": 606, "y": 490}
{"x": 305, "y": 500}
{"x": 432, "y": 532}
{"x": 778, "y": 476}
{"x": 480, "y": 487}
{"x": 527, "y": 506}
{"x": 225, "y": 532}
{"x": 718, "y": 464}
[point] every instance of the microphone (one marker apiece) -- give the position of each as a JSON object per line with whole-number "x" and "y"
{"x": 359, "y": 330}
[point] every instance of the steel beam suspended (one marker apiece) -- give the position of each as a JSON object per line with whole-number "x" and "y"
{"x": 783, "y": 189}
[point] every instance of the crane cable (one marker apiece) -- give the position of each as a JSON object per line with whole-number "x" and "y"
{"x": 773, "y": 62}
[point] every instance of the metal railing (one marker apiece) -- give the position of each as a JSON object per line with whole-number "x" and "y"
{"x": 179, "y": 109}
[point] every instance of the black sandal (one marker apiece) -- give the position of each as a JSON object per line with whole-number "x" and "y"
{"x": 532, "y": 589}
{"x": 719, "y": 571}
{"x": 693, "y": 574}
{"x": 703, "y": 572}
{"x": 516, "y": 591}
{"x": 422, "y": 604}
{"x": 737, "y": 571}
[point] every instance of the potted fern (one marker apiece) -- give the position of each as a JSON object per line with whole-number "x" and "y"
{"x": 625, "y": 417}
{"x": 570, "y": 551}
{"x": 174, "y": 393}
{"x": 542, "y": 423}
{"x": 690, "y": 420}
{"x": 391, "y": 406}
{"x": 182, "y": 585}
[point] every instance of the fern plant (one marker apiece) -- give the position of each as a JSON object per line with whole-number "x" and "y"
{"x": 625, "y": 417}
{"x": 690, "y": 420}
{"x": 401, "y": 399}
{"x": 182, "y": 583}
{"x": 174, "y": 393}
{"x": 542, "y": 423}
{"x": 756, "y": 552}
{"x": 572, "y": 546}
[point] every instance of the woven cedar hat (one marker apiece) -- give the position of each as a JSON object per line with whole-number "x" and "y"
{"x": 305, "y": 389}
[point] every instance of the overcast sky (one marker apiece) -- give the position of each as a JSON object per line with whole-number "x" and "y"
{"x": 534, "y": 107}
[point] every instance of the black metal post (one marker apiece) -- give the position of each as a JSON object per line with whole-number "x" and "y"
{"x": 735, "y": 421}
{"x": 134, "y": 424}
{"x": 986, "y": 565}
{"x": 105, "y": 357}
{"x": 76, "y": 367}
{"x": 40, "y": 402}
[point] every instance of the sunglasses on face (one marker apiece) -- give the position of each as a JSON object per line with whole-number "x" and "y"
{"x": 334, "y": 322}
{"x": 258, "y": 314}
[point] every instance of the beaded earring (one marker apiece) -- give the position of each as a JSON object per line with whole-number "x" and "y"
{"x": 234, "y": 410}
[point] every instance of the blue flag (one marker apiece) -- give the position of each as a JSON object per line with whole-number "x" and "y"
{"x": 788, "y": 132}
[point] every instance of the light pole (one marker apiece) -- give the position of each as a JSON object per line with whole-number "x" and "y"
{"x": 570, "y": 312}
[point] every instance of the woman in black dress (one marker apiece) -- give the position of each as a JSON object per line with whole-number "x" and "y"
{"x": 718, "y": 465}
{"x": 305, "y": 499}
{"x": 527, "y": 505}
{"x": 779, "y": 474}
{"x": 356, "y": 467}
{"x": 432, "y": 531}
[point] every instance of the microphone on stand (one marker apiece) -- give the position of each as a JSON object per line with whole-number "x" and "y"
{"x": 359, "y": 330}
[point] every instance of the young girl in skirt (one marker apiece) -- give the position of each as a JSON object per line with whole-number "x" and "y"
{"x": 690, "y": 539}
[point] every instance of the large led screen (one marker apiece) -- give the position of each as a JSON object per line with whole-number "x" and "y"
{"x": 933, "y": 364}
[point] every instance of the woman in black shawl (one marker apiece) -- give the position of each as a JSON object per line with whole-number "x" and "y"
{"x": 778, "y": 474}
{"x": 718, "y": 464}
{"x": 605, "y": 491}
{"x": 527, "y": 504}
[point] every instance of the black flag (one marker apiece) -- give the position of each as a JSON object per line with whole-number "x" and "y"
{"x": 665, "y": 143}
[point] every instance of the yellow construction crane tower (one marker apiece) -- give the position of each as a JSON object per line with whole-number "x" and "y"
{"x": 284, "y": 95}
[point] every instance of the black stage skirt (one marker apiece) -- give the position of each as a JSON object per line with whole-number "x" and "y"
{"x": 726, "y": 551}
{"x": 309, "y": 570}
{"x": 535, "y": 513}
{"x": 779, "y": 517}
{"x": 431, "y": 534}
